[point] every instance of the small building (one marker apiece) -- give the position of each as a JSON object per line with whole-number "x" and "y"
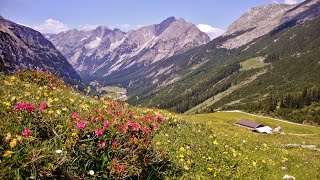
{"x": 253, "y": 126}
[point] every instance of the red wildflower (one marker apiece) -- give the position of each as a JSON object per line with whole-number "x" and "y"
{"x": 133, "y": 139}
{"x": 115, "y": 160}
{"x": 26, "y": 132}
{"x": 159, "y": 118}
{"x": 99, "y": 132}
{"x": 115, "y": 144}
{"x": 75, "y": 116}
{"x": 120, "y": 168}
{"x": 112, "y": 104}
{"x": 123, "y": 128}
{"x": 102, "y": 118}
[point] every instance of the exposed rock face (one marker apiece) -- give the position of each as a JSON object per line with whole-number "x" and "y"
{"x": 256, "y": 22}
{"x": 23, "y": 47}
{"x": 263, "y": 19}
{"x": 101, "y": 52}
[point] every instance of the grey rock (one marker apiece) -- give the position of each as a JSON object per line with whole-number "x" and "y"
{"x": 23, "y": 47}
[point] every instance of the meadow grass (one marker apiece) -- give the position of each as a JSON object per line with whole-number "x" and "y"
{"x": 203, "y": 146}
{"x": 253, "y": 63}
{"x": 209, "y": 146}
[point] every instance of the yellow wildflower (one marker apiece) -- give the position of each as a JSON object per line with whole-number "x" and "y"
{"x": 254, "y": 163}
{"x": 181, "y": 156}
{"x": 64, "y": 109}
{"x": 181, "y": 160}
{"x": 7, "y": 153}
{"x": 166, "y": 135}
{"x": 73, "y": 134}
{"x": 58, "y": 112}
{"x": 71, "y": 100}
{"x": 56, "y": 99}
{"x": 13, "y": 143}
{"x": 13, "y": 98}
{"x": 50, "y": 111}
{"x": 12, "y": 78}
{"x": 50, "y": 100}
{"x": 158, "y": 143}
{"x": 215, "y": 142}
{"x": 19, "y": 138}
{"x": 8, "y": 137}
{"x": 182, "y": 149}
{"x": 186, "y": 167}
{"x": 209, "y": 169}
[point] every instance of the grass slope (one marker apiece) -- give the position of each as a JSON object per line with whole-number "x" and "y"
{"x": 53, "y": 142}
{"x": 209, "y": 146}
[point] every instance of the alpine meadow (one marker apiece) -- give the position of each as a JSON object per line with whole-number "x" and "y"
{"x": 170, "y": 90}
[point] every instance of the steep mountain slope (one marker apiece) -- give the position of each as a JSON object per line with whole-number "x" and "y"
{"x": 213, "y": 72}
{"x": 103, "y": 52}
{"x": 263, "y": 19}
{"x": 23, "y": 47}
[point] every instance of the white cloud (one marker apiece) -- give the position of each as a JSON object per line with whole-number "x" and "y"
{"x": 88, "y": 26}
{"x": 51, "y": 26}
{"x": 288, "y": 1}
{"x": 211, "y": 31}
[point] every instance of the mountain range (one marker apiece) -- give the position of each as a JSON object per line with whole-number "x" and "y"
{"x": 102, "y": 52}
{"x": 23, "y": 47}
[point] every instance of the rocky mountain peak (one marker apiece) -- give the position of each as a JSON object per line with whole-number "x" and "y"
{"x": 103, "y": 51}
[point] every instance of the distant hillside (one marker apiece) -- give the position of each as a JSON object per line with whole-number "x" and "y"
{"x": 23, "y": 47}
{"x": 214, "y": 77}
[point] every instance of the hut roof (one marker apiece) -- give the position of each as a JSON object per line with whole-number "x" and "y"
{"x": 247, "y": 123}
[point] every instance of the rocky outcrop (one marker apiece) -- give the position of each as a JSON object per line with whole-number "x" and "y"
{"x": 23, "y": 47}
{"x": 263, "y": 19}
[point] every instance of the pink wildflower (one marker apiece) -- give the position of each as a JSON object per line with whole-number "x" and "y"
{"x": 81, "y": 124}
{"x": 115, "y": 122}
{"x": 154, "y": 127}
{"x": 106, "y": 124}
{"x": 136, "y": 126}
{"x": 75, "y": 116}
{"x": 26, "y": 132}
{"x": 24, "y": 106}
{"x": 99, "y": 132}
{"x": 43, "y": 105}
{"x": 102, "y": 144}
{"x": 146, "y": 131}
{"x": 129, "y": 124}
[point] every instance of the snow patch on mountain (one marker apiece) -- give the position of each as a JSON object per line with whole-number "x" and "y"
{"x": 93, "y": 44}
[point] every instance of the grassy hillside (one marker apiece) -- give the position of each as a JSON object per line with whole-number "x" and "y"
{"x": 51, "y": 131}
{"x": 208, "y": 146}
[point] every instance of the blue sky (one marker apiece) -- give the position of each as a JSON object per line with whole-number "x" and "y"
{"x": 59, "y": 15}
